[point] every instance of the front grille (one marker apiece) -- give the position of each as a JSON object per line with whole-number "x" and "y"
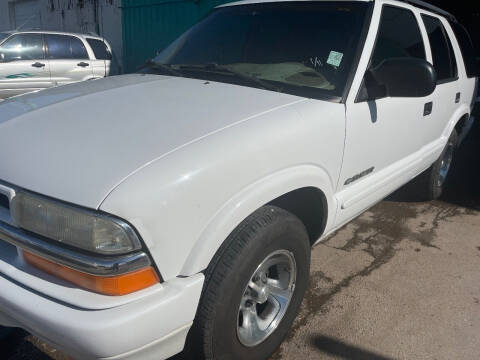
{"x": 4, "y": 202}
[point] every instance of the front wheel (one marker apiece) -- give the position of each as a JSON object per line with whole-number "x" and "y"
{"x": 9, "y": 340}
{"x": 253, "y": 288}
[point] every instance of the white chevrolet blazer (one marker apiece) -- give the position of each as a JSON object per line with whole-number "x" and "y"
{"x": 185, "y": 199}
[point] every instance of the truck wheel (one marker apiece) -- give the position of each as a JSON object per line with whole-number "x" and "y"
{"x": 432, "y": 181}
{"x": 253, "y": 288}
{"x": 4, "y": 332}
{"x": 9, "y": 340}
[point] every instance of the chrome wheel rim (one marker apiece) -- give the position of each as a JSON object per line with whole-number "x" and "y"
{"x": 266, "y": 298}
{"x": 445, "y": 164}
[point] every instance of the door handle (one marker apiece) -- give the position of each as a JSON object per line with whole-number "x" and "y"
{"x": 83, "y": 64}
{"x": 38, "y": 65}
{"x": 458, "y": 97}
{"x": 427, "y": 110}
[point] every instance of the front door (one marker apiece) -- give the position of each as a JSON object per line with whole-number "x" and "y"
{"x": 383, "y": 136}
{"x": 23, "y": 67}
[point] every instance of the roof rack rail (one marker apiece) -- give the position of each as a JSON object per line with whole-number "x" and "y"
{"x": 432, "y": 8}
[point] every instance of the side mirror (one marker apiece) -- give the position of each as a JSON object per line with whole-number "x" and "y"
{"x": 400, "y": 77}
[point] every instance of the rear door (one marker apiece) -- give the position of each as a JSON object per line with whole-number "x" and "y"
{"x": 447, "y": 95}
{"x": 103, "y": 57}
{"x": 69, "y": 60}
{"x": 23, "y": 67}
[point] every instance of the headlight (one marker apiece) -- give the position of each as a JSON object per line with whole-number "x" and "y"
{"x": 82, "y": 229}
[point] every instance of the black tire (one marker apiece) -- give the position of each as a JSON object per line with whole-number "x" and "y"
{"x": 268, "y": 230}
{"x": 430, "y": 183}
{"x": 10, "y": 338}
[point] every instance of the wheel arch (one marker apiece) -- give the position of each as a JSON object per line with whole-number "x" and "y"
{"x": 310, "y": 205}
{"x": 299, "y": 190}
{"x": 457, "y": 121}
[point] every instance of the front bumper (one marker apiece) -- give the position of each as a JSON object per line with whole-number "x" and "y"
{"x": 153, "y": 327}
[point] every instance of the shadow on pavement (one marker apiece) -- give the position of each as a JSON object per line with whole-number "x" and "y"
{"x": 340, "y": 349}
{"x": 463, "y": 186}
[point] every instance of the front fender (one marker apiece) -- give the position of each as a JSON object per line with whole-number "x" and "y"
{"x": 251, "y": 198}
{"x": 185, "y": 203}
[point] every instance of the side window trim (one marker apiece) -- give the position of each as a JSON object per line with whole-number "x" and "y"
{"x": 358, "y": 98}
{"x": 451, "y": 52}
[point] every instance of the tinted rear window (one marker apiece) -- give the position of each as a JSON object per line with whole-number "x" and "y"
{"x": 467, "y": 48}
{"x": 100, "y": 49}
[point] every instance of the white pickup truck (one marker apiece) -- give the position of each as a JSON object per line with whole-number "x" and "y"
{"x": 184, "y": 200}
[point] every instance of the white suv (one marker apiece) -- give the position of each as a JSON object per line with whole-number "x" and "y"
{"x": 36, "y": 60}
{"x": 185, "y": 199}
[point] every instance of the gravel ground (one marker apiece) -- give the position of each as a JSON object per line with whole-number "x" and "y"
{"x": 400, "y": 282}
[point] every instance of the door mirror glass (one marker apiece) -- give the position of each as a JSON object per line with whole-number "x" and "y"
{"x": 401, "y": 77}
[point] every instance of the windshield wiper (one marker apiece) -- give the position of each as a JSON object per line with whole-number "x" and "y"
{"x": 150, "y": 64}
{"x": 224, "y": 68}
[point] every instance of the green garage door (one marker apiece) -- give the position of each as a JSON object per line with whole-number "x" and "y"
{"x": 151, "y": 25}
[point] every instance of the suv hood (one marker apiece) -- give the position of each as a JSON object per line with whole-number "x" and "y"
{"x": 78, "y": 142}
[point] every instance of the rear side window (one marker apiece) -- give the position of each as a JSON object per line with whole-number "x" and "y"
{"x": 443, "y": 55}
{"x": 468, "y": 51}
{"x": 78, "y": 49}
{"x": 100, "y": 49}
{"x": 22, "y": 47}
{"x": 394, "y": 43}
{"x": 63, "y": 47}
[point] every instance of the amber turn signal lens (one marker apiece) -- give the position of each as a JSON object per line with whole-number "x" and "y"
{"x": 112, "y": 285}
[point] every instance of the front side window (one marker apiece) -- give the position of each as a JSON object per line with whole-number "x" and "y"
{"x": 442, "y": 50}
{"x": 22, "y": 47}
{"x": 303, "y": 48}
{"x": 398, "y": 36}
{"x": 63, "y": 47}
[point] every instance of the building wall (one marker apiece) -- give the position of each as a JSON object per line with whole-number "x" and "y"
{"x": 103, "y": 17}
{"x": 4, "y": 15}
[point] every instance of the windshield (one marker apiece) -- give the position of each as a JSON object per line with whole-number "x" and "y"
{"x": 303, "y": 48}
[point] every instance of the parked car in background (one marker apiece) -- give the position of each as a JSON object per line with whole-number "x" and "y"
{"x": 36, "y": 60}
{"x": 187, "y": 197}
